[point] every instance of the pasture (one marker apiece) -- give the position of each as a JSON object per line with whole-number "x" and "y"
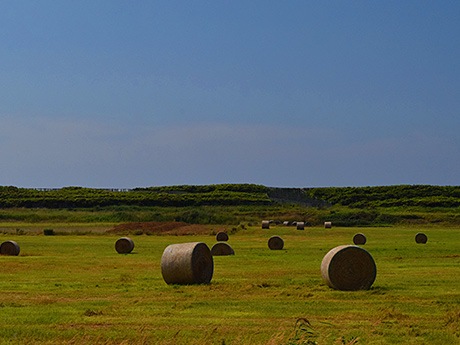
{"x": 76, "y": 289}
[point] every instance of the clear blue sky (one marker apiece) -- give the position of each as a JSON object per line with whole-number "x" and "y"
{"x": 122, "y": 93}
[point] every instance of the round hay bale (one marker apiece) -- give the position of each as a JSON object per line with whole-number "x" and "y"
{"x": 421, "y": 238}
{"x": 359, "y": 239}
{"x": 348, "y": 268}
{"x": 265, "y": 224}
{"x": 275, "y": 243}
{"x": 222, "y": 249}
{"x": 300, "y": 225}
{"x": 124, "y": 245}
{"x": 9, "y": 248}
{"x": 327, "y": 225}
{"x": 286, "y": 223}
{"x": 221, "y": 237}
{"x": 187, "y": 263}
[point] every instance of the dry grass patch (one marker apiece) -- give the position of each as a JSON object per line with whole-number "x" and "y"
{"x": 161, "y": 228}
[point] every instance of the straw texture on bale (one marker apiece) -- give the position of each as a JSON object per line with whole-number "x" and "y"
{"x": 221, "y": 237}
{"x": 187, "y": 263}
{"x": 359, "y": 239}
{"x": 327, "y": 225}
{"x": 124, "y": 245}
{"x": 9, "y": 248}
{"x": 348, "y": 268}
{"x": 421, "y": 238}
{"x": 265, "y": 224}
{"x": 222, "y": 249}
{"x": 300, "y": 225}
{"x": 275, "y": 243}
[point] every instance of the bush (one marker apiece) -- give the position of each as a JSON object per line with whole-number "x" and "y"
{"x": 48, "y": 232}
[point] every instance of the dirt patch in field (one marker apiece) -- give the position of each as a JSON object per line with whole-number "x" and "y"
{"x": 162, "y": 228}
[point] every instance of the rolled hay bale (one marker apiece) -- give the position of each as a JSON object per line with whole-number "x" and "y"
{"x": 265, "y": 224}
{"x": 187, "y": 263}
{"x": 9, "y": 248}
{"x": 300, "y": 225}
{"x": 327, "y": 225}
{"x": 286, "y": 223}
{"x": 222, "y": 249}
{"x": 221, "y": 236}
{"x": 359, "y": 239}
{"x": 124, "y": 245}
{"x": 275, "y": 243}
{"x": 348, "y": 268}
{"x": 421, "y": 238}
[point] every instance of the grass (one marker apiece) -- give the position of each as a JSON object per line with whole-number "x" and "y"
{"x": 78, "y": 290}
{"x": 238, "y": 214}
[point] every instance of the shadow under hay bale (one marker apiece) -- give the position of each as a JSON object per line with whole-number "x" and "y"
{"x": 10, "y": 248}
{"x": 348, "y": 268}
{"x": 327, "y": 225}
{"x": 221, "y": 237}
{"x": 421, "y": 238}
{"x": 187, "y": 263}
{"x": 300, "y": 225}
{"x": 124, "y": 245}
{"x": 275, "y": 243}
{"x": 265, "y": 224}
{"x": 222, "y": 249}
{"x": 359, "y": 239}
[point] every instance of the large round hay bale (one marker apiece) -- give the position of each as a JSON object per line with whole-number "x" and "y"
{"x": 187, "y": 263}
{"x": 9, "y": 248}
{"x": 348, "y": 268}
{"x": 221, "y": 236}
{"x": 300, "y": 225}
{"x": 124, "y": 245}
{"x": 327, "y": 225}
{"x": 359, "y": 239}
{"x": 421, "y": 238}
{"x": 265, "y": 224}
{"x": 275, "y": 243}
{"x": 222, "y": 249}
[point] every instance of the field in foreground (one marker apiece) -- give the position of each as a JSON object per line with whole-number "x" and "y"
{"x": 77, "y": 290}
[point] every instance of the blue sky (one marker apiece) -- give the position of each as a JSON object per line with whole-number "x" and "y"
{"x": 280, "y": 93}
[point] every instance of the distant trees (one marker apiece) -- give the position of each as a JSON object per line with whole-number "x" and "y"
{"x": 389, "y": 196}
{"x": 234, "y": 194}
{"x": 79, "y": 197}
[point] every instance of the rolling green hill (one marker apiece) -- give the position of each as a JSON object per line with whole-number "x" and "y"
{"x": 236, "y": 203}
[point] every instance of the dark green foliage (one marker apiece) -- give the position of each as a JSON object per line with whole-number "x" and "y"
{"x": 351, "y": 218}
{"x": 235, "y": 204}
{"x": 233, "y": 194}
{"x": 389, "y": 196}
{"x": 48, "y": 232}
{"x": 246, "y": 188}
{"x": 180, "y": 196}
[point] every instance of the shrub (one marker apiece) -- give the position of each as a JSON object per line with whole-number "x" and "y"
{"x": 48, "y": 232}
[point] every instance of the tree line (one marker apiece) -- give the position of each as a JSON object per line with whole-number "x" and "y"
{"x": 80, "y": 197}
{"x": 389, "y": 196}
{"x": 427, "y": 196}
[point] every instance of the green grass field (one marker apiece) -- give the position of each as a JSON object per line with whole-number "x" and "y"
{"x": 76, "y": 289}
